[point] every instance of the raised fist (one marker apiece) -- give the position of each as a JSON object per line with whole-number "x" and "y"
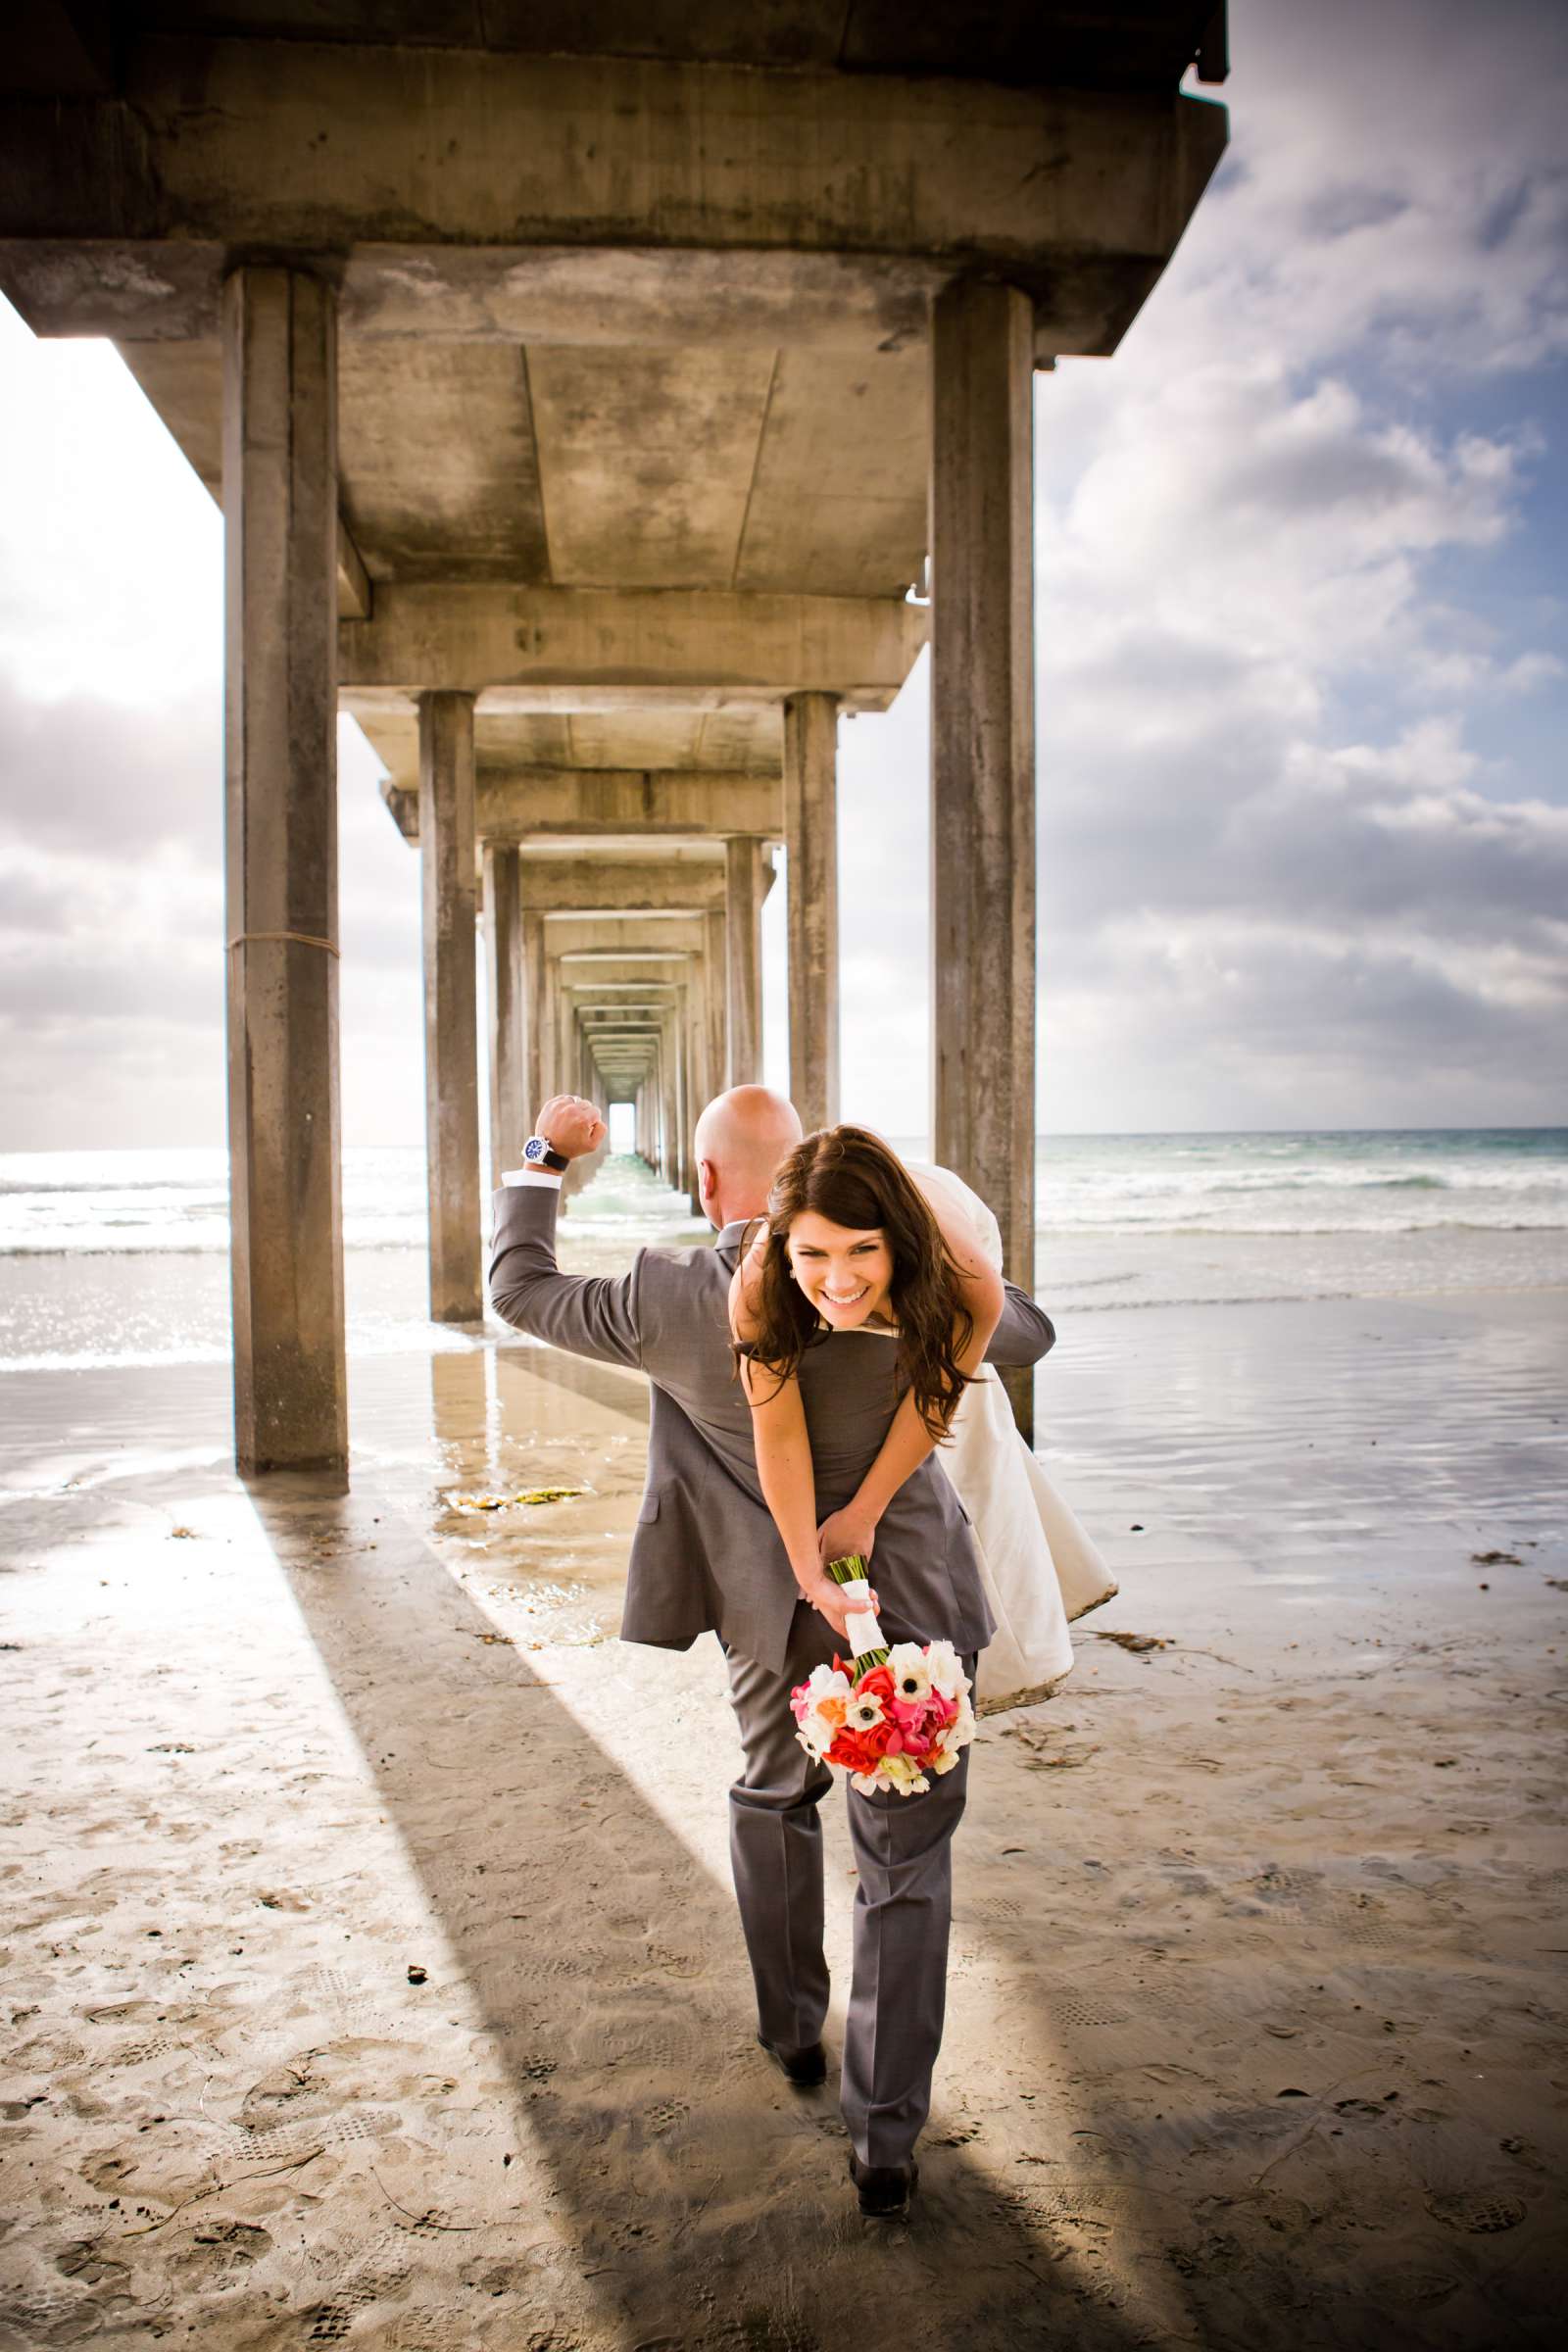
{"x": 571, "y": 1126}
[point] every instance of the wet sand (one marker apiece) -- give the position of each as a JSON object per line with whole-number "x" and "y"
{"x": 371, "y": 1971}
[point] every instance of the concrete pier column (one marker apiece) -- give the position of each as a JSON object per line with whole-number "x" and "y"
{"x": 569, "y": 1077}
{"x": 546, "y": 1028}
{"x": 536, "y": 1050}
{"x": 744, "y": 890}
{"x": 715, "y": 968}
{"x": 685, "y": 1090}
{"x": 703, "y": 1087}
{"x": 811, "y": 834}
{"x": 982, "y": 760}
{"x": 669, "y": 1124}
{"x": 279, "y": 350}
{"x": 451, "y": 1013}
{"x": 510, "y": 1120}
{"x": 694, "y": 997}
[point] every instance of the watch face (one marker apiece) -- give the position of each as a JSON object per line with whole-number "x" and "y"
{"x": 534, "y": 1149}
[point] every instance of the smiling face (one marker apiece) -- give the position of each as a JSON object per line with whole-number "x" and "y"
{"x": 844, "y": 1274}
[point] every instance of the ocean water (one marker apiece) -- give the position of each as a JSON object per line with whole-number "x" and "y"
{"x": 119, "y": 1258}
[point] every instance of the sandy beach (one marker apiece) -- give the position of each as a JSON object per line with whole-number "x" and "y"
{"x": 372, "y": 1967}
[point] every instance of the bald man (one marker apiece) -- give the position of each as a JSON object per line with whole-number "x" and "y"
{"x": 706, "y": 1557}
{"x": 740, "y": 1139}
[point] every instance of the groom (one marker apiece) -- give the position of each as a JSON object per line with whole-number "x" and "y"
{"x": 706, "y": 1557}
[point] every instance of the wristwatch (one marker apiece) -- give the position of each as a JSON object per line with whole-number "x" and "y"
{"x": 537, "y": 1154}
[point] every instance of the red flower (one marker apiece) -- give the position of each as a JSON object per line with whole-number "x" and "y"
{"x": 861, "y": 1750}
{"x": 879, "y": 1681}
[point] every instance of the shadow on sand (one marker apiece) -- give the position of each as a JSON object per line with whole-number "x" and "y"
{"x": 707, "y": 2206}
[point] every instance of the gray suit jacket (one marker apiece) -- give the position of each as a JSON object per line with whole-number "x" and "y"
{"x": 706, "y": 1554}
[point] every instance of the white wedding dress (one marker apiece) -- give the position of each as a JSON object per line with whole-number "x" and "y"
{"x": 1039, "y": 1567}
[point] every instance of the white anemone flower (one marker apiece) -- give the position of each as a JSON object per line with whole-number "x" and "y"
{"x": 944, "y": 1668}
{"x": 911, "y": 1677}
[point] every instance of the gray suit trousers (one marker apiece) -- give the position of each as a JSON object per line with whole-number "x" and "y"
{"x": 902, "y": 1904}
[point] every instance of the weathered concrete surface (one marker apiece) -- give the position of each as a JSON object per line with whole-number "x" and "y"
{"x": 644, "y": 932}
{"x": 983, "y": 760}
{"x": 605, "y": 889}
{"x": 634, "y": 969}
{"x": 716, "y": 963}
{"x": 510, "y": 1120}
{"x": 566, "y": 805}
{"x": 535, "y": 981}
{"x": 554, "y": 648}
{"x": 811, "y": 841}
{"x": 451, "y": 1031}
{"x": 64, "y": 48}
{"x": 466, "y": 150}
{"x": 281, "y": 737}
{"x": 745, "y": 892}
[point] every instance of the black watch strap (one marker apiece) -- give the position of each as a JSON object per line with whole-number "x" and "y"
{"x": 546, "y": 1157}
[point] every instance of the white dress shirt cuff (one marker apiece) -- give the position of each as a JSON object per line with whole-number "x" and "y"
{"x": 549, "y": 1176}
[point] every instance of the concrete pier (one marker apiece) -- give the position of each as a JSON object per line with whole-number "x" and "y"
{"x": 535, "y": 1093}
{"x": 451, "y": 1034}
{"x": 280, "y": 380}
{"x": 983, "y": 758}
{"x": 811, "y": 844}
{"x": 715, "y": 963}
{"x": 671, "y": 349}
{"x": 743, "y": 891}
{"x": 510, "y": 1120}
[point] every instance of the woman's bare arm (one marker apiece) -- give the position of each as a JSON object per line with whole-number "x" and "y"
{"x": 784, "y": 1466}
{"x": 789, "y": 1483}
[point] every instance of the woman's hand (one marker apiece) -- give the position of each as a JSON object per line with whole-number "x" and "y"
{"x": 847, "y": 1535}
{"x": 827, "y": 1599}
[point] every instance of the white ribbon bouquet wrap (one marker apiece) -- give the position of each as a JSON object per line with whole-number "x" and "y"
{"x": 862, "y": 1630}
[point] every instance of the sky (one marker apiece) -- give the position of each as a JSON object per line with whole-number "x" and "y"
{"x": 1301, "y": 559}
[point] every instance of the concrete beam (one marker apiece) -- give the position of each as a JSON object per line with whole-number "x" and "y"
{"x": 587, "y": 987}
{"x": 280, "y": 732}
{"x": 599, "y": 1016}
{"x": 649, "y": 936}
{"x": 584, "y": 805}
{"x": 587, "y": 649}
{"x": 489, "y": 174}
{"x": 607, "y": 805}
{"x": 629, "y": 969}
{"x": 610, "y": 892}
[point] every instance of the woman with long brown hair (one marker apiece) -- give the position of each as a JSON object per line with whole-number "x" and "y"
{"x": 851, "y": 1243}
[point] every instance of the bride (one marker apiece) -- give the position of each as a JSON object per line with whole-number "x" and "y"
{"x": 928, "y": 1283}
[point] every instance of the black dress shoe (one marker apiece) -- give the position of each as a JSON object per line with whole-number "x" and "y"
{"x": 885, "y": 2188}
{"x": 805, "y": 2068}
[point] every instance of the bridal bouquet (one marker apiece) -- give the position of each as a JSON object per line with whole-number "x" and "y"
{"x": 892, "y": 1717}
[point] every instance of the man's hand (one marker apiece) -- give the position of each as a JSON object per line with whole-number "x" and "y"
{"x": 571, "y": 1126}
{"x": 845, "y": 1534}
